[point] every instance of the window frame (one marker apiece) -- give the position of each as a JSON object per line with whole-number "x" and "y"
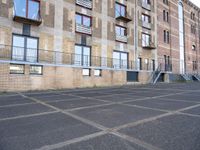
{"x": 120, "y": 13}
{"x": 146, "y": 34}
{"x": 82, "y": 20}
{"x": 25, "y": 46}
{"x": 27, "y": 9}
{"x": 121, "y": 65}
{"x": 18, "y": 65}
{"x": 36, "y": 73}
{"x": 82, "y": 63}
{"x": 121, "y": 27}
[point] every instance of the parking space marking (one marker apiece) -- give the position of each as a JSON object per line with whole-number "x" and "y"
{"x": 14, "y": 105}
{"x": 105, "y": 130}
{"x": 26, "y": 116}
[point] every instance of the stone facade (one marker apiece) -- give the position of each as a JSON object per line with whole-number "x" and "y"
{"x": 57, "y": 36}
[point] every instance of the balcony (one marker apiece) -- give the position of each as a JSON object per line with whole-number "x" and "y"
{"x": 121, "y": 38}
{"x": 146, "y": 6}
{"x": 84, "y": 3}
{"x": 150, "y": 45}
{"x": 83, "y": 29}
{"x": 27, "y": 12}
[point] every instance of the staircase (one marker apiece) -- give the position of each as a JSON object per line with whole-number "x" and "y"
{"x": 186, "y": 77}
{"x": 155, "y": 75}
{"x": 196, "y": 76}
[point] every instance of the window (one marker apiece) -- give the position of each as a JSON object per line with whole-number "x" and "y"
{"x": 192, "y": 16}
{"x": 27, "y": 9}
{"x": 165, "y": 2}
{"x": 194, "y": 65}
{"x": 16, "y": 69}
{"x": 193, "y": 47}
{"x": 97, "y": 72}
{"x": 25, "y": 48}
{"x": 120, "y": 10}
{"x": 193, "y": 29}
{"x": 166, "y": 36}
{"x": 82, "y": 55}
{"x": 165, "y": 16}
{"x": 36, "y": 70}
{"x": 83, "y": 20}
{"x": 146, "y": 2}
{"x": 139, "y": 63}
{"x": 120, "y": 31}
{"x": 120, "y": 60}
{"x": 146, "y": 39}
{"x": 86, "y": 72}
{"x": 146, "y": 18}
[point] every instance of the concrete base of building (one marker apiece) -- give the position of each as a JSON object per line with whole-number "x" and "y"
{"x": 64, "y": 77}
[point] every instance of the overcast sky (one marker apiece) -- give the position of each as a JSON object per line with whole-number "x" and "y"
{"x": 197, "y": 2}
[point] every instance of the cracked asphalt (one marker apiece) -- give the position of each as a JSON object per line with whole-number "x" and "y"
{"x": 160, "y": 117}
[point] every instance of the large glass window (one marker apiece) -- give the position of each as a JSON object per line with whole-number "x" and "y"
{"x": 25, "y": 48}
{"x": 120, "y": 10}
{"x": 146, "y": 39}
{"x": 121, "y": 31}
{"x": 120, "y": 60}
{"x": 146, "y": 18}
{"x": 83, "y": 20}
{"x": 27, "y": 9}
{"x": 82, "y": 55}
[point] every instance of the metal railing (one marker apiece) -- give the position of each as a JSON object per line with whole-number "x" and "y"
{"x": 21, "y": 55}
{"x": 83, "y": 29}
{"x": 84, "y": 3}
{"x": 121, "y": 38}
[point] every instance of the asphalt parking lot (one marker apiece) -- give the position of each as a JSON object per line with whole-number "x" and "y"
{"x": 160, "y": 117}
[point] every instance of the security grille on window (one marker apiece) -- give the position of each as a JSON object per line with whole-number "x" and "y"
{"x": 36, "y": 70}
{"x": 25, "y": 48}
{"x": 82, "y": 55}
{"x": 16, "y": 69}
{"x": 120, "y": 60}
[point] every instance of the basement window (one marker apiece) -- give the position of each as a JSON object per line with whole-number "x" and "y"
{"x": 17, "y": 69}
{"x": 98, "y": 72}
{"x": 86, "y": 72}
{"x": 36, "y": 70}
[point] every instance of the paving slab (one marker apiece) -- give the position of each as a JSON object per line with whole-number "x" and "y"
{"x": 162, "y": 104}
{"x": 13, "y": 101}
{"x": 76, "y": 103}
{"x": 42, "y": 94}
{"x": 194, "y": 111}
{"x": 176, "y": 132}
{"x": 115, "y": 115}
{"x": 104, "y": 142}
{"x": 56, "y": 98}
{"x": 184, "y": 97}
{"x": 35, "y": 132}
{"x": 120, "y": 98}
{"x": 11, "y": 97}
{"x": 7, "y": 112}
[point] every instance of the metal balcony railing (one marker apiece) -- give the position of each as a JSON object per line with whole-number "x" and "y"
{"x": 146, "y": 6}
{"x": 83, "y": 29}
{"x": 121, "y": 38}
{"x": 84, "y": 3}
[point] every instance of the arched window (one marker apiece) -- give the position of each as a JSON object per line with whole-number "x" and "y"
{"x": 193, "y": 47}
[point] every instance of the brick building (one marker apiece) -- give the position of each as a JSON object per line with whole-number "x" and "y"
{"x": 54, "y": 44}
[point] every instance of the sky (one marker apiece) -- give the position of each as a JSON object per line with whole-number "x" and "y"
{"x": 196, "y": 2}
